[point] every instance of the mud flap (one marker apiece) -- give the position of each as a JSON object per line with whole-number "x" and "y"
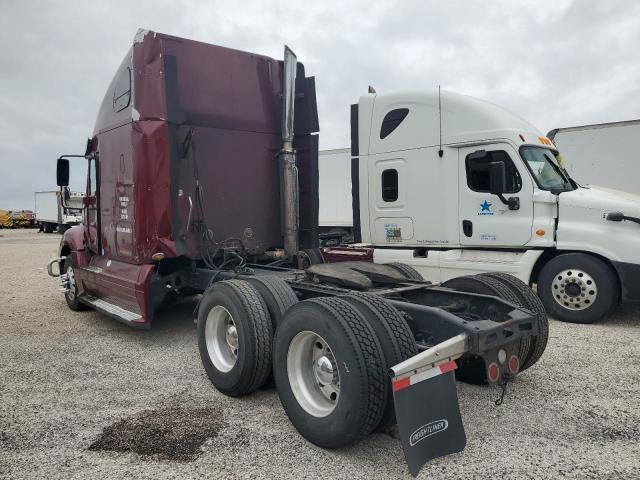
{"x": 428, "y": 415}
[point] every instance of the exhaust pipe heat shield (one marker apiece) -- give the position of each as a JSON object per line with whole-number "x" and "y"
{"x": 289, "y": 189}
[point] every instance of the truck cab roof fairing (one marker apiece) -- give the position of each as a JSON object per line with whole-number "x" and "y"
{"x": 464, "y": 119}
{"x": 229, "y": 107}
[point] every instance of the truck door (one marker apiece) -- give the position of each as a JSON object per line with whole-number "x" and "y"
{"x": 92, "y": 218}
{"x": 484, "y": 220}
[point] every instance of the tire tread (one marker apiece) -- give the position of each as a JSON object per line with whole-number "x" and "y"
{"x": 260, "y": 328}
{"x": 374, "y": 374}
{"x": 531, "y": 301}
{"x": 407, "y": 270}
{"x": 397, "y": 337}
{"x": 279, "y": 290}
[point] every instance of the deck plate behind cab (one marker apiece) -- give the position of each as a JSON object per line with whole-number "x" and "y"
{"x": 358, "y": 275}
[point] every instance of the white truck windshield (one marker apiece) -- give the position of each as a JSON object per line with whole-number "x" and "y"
{"x": 544, "y": 167}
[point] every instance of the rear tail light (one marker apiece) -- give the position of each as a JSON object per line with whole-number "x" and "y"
{"x": 493, "y": 372}
{"x": 514, "y": 364}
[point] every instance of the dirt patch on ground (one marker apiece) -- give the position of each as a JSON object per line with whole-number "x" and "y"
{"x": 169, "y": 433}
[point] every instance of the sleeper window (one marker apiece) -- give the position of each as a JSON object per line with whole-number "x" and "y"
{"x": 122, "y": 91}
{"x": 390, "y": 185}
{"x": 478, "y": 176}
{"x": 392, "y": 120}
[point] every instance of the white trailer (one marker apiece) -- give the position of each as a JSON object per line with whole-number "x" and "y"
{"x": 335, "y": 215}
{"x": 605, "y": 154}
{"x": 52, "y": 215}
{"x": 453, "y": 185}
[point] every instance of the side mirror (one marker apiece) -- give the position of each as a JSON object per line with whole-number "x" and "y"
{"x": 62, "y": 172}
{"x": 498, "y": 185}
{"x": 497, "y": 178}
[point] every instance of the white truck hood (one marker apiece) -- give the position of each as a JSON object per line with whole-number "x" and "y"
{"x": 582, "y": 223}
{"x": 604, "y": 200}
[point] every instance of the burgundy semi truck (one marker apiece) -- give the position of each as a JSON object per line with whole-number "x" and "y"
{"x": 203, "y": 179}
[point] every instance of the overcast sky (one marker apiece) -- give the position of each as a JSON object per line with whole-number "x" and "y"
{"x": 556, "y": 63}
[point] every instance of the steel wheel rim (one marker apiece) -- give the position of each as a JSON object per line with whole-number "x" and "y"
{"x": 313, "y": 374}
{"x": 221, "y": 338}
{"x": 574, "y": 289}
{"x": 71, "y": 284}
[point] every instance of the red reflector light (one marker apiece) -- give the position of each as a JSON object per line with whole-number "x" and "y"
{"x": 514, "y": 364}
{"x": 401, "y": 384}
{"x": 493, "y": 372}
{"x": 449, "y": 366}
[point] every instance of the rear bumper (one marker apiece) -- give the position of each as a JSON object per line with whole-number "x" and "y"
{"x": 629, "y": 274}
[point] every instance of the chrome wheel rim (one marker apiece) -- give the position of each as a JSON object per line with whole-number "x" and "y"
{"x": 71, "y": 284}
{"x": 313, "y": 374}
{"x": 221, "y": 337}
{"x": 574, "y": 289}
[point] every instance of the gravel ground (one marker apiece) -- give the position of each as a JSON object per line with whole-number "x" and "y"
{"x": 64, "y": 376}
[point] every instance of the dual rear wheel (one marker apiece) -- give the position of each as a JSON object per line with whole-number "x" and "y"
{"x": 330, "y": 356}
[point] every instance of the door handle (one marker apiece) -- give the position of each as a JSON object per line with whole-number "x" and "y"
{"x": 467, "y": 228}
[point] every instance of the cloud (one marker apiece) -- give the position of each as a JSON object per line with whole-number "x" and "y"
{"x": 557, "y": 63}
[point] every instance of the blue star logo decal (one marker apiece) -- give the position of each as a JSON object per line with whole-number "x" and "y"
{"x": 486, "y": 206}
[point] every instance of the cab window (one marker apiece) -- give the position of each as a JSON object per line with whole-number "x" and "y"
{"x": 92, "y": 185}
{"x": 478, "y": 177}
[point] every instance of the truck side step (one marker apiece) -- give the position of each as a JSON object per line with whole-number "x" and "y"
{"x": 132, "y": 319}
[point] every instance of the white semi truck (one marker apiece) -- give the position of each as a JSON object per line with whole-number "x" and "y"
{"x": 606, "y": 154}
{"x": 453, "y": 185}
{"x": 51, "y": 214}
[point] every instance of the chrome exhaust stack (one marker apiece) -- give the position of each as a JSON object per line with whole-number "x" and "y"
{"x": 289, "y": 200}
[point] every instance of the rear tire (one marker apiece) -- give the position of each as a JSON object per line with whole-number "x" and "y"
{"x": 472, "y": 369}
{"x": 408, "y": 271}
{"x": 234, "y": 337}
{"x": 577, "y": 288}
{"x": 336, "y": 395}
{"x": 276, "y": 293}
{"x": 393, "y": 333}
{"x": 529, "y": 300}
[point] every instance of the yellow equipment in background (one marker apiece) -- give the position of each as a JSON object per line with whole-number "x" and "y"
{"x": 17, "y": 219}
{"x": 6, "y": 220}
